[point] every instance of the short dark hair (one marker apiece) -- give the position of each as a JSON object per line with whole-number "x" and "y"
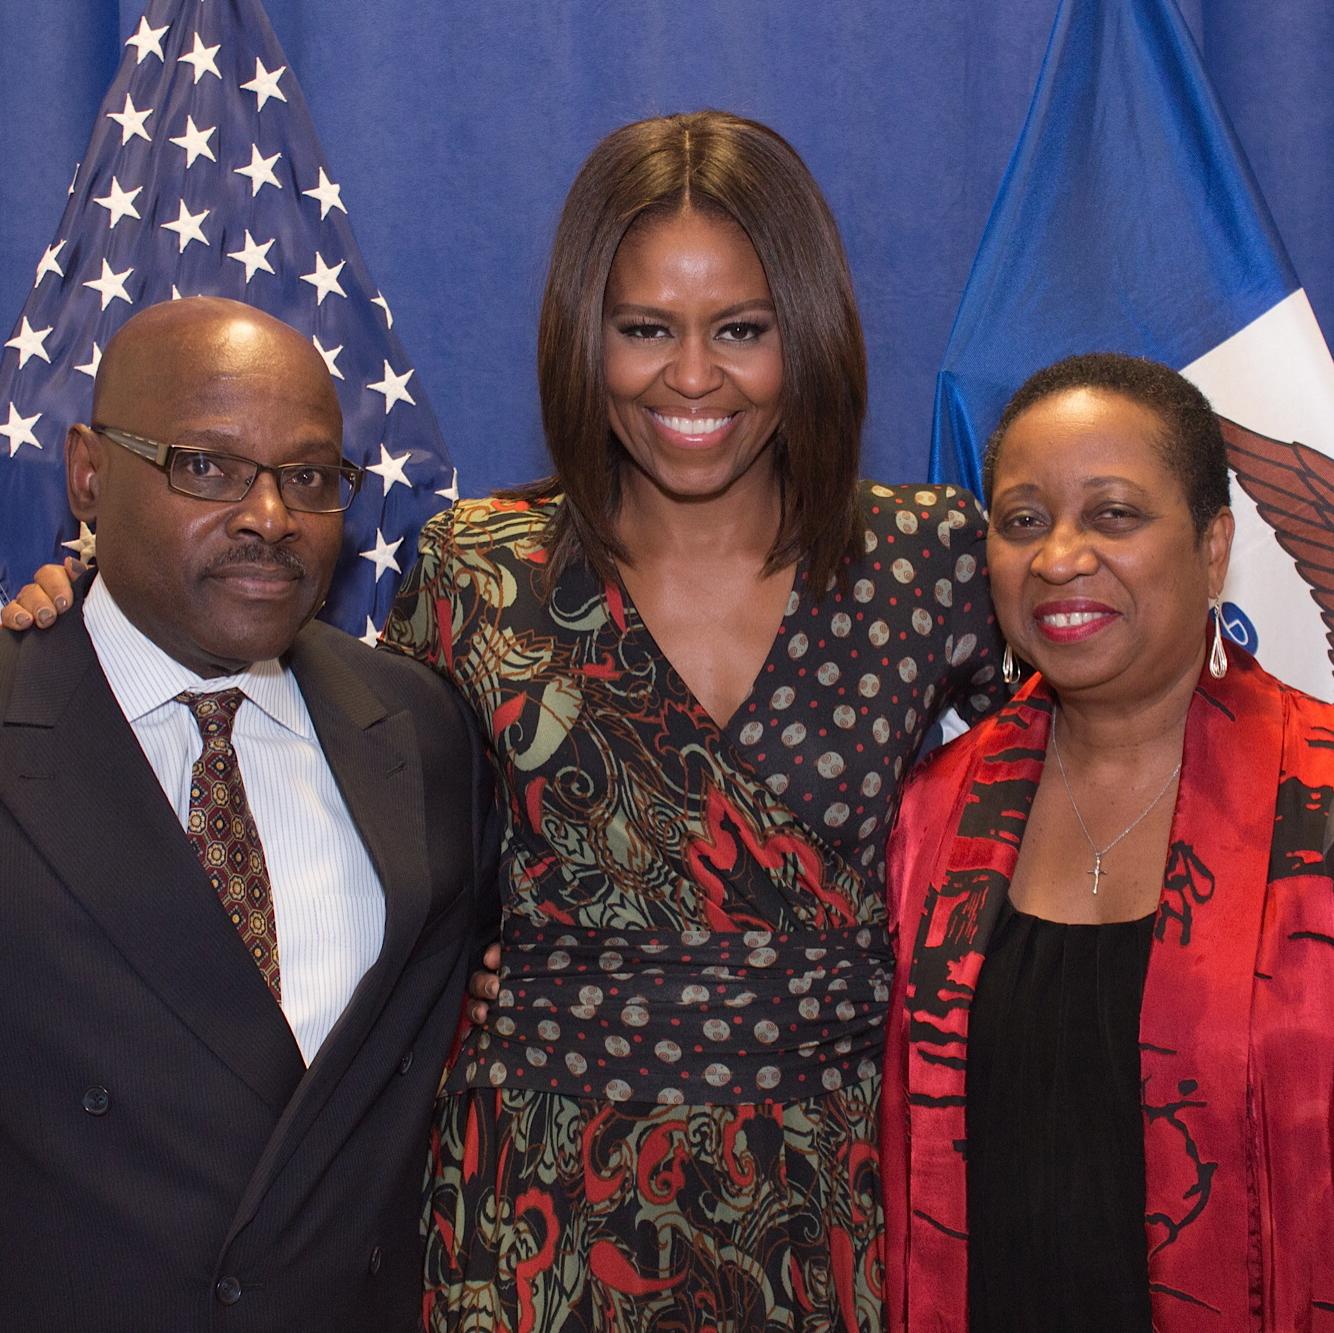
{"x": 1191, "y": 443}
{"x": 719, "y": 163}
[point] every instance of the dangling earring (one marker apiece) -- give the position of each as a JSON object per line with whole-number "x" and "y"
{"x": 1010, "y": 672}
{"x": 1218, "y": 654}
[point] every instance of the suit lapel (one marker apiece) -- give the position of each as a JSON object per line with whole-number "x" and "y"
{"x": 376, "y": 762}
{"x": 377, "y": 765}
{"x": 69, "y": 760}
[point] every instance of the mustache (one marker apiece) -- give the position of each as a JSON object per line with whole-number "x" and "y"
{"x": 258, "y": 554}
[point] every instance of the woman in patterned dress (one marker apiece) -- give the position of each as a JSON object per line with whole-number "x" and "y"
{"x": 704, "y": 654}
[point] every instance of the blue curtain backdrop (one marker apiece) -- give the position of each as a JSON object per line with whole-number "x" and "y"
{"x": 454, "y": 128}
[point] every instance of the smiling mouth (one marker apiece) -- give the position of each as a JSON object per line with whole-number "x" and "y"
{"x": 694, "y": 430}
{"x": 1074, "y": 624}
{"x": 1070, "y": 619}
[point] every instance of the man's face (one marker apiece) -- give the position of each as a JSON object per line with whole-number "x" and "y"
{"x": 218, "y": 585}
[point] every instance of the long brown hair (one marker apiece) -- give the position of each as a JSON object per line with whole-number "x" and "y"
{"x": 712, "y": 161}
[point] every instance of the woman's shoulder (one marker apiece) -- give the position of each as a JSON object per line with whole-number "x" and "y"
{"x": 950, "y": 512}
{"x": 1314, "y": 717}
{"x": 1306, "y": 712}
{"x": 503, "y": 517}
{"x": 492, "y": 524}
{"x": 930, "y": 535}
{"x": 934, "y": 497}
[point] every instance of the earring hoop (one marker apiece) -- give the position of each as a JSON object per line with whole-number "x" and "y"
{"x": 1010, "y": 671}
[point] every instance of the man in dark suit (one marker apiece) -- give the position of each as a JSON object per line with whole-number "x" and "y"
{"x": 241, "y": 858}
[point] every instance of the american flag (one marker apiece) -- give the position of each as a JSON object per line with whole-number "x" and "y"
{"x": 204, "y": 175}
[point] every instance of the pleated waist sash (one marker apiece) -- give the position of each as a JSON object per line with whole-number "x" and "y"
{"x": 695, "y": 1017}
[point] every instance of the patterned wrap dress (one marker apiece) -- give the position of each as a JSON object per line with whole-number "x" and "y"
{"x": 670, "y": 1120}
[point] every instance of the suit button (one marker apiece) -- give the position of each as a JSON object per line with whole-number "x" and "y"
{"x": 377, "y": 1259}
{"x": 405, "y": 1063}
{"x": 97, "y": 1101}
{"x": 228, "y": 1290}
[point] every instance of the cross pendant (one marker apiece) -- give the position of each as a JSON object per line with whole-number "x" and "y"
{"x": 1096, "y": 872}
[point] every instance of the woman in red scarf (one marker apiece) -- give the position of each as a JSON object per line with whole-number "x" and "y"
{"x": 1109, "y": 1075}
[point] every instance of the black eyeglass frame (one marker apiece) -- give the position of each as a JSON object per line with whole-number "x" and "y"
{"x": 161, "y": 456}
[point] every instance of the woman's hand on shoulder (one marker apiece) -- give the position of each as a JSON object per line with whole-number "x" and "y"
{"x": 50, "y": 594}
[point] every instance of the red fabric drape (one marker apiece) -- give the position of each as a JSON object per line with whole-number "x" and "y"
{"x": 1236, "y": 1029}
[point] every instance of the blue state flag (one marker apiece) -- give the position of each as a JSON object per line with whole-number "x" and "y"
{"x": 1128, "y": 220}
{"x": 203, "y": 175}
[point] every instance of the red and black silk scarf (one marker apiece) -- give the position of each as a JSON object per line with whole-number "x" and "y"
{"x": 1236, "y": 1028}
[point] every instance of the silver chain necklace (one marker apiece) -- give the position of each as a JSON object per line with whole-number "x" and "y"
{"x": 1099, "y": 853}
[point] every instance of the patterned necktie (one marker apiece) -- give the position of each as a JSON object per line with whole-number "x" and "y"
{"x": 223, "y": 831}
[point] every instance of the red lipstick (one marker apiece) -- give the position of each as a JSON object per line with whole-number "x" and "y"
{"x": 1072, "y": 619}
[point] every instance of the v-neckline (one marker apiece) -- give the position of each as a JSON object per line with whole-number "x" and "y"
{"x": 790, "y": 607}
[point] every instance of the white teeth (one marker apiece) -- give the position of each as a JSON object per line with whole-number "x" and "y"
{"x": 1070, "y": 619}
{"x": 694, "y": 425}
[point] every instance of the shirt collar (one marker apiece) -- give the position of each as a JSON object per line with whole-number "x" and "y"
{"x": 143, "y": 677}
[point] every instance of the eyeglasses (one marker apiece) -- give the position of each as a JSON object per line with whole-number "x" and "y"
{"x": 206, "y": 474}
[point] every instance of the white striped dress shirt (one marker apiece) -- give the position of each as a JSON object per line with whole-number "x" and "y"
{"x": 328, "y": 903}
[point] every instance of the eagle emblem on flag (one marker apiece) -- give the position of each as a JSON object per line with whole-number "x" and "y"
{"x": 1293, "y": 489}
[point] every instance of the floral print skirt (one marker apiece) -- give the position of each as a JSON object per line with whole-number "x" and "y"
{"x": 555, "y": 1214}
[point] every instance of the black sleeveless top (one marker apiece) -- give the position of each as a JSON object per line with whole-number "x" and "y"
{"x": 1055, "y": 1137}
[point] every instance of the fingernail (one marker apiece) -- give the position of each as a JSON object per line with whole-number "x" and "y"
{"x": 62, "y": 603}
{"x": 45, "y": 617}
{"x": 22, "y": 619}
